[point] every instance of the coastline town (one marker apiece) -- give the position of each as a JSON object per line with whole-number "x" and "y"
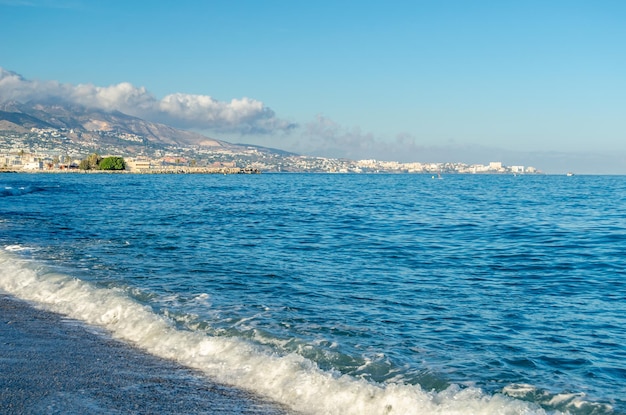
{"x": 50, "y": 150}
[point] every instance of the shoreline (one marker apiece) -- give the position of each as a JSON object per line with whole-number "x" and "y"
{"x": 167, "y": 170}
{"x": 52, "y": 364}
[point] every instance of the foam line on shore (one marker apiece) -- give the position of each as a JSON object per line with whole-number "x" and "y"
{"x": 288, "y": 379}
{"x": 51, "y": 364}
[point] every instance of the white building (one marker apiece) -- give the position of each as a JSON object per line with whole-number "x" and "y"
{"x": 495, "y": 165}
{"x": 33, "y": 165}
{"x": 479, "y": 168}
{"x": 10, "y": 160}
{"x": 138, "y": 164}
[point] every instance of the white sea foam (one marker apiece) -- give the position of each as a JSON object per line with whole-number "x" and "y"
{"x": 15, "y": 248}
{"x": 12, "y": 191}
{"x": 290, "y": 379}
{"x": 565, "y": 401}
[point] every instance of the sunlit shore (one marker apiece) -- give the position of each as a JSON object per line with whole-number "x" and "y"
{"x": 161, "y": 170}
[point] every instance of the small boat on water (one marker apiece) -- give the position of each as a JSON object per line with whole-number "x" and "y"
{"x": 569, "y": 174}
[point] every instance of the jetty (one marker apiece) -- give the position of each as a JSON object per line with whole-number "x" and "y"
{"x": 198, "y": 170}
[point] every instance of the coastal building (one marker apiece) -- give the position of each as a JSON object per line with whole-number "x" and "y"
{"x": 11, "y": 161}
{"x": 495, "y": 165}
{"x": 138, "y": 164}
{"x": 479, "y": 168}
{"x": 33, "y": 165}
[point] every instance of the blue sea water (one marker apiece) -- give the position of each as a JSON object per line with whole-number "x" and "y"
{"x": 343, "y": 293}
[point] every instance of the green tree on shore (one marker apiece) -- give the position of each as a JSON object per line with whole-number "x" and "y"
{"x": 113, "y": 163}
{"x": 95, "y": 162}
{"x": 92, "y": 162}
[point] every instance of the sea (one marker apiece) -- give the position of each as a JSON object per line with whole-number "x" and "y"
{"x": 342, "y": 293}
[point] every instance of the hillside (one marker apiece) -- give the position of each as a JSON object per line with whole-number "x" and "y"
{"x": 92, "y": 123}
{"x": 52, "y": 129}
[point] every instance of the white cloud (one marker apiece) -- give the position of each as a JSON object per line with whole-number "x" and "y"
{"x": 122, "y": 97}
{"x": 242, "y": 116}
{"x": 245, "y": 115}
{"x": 15, "y": 88}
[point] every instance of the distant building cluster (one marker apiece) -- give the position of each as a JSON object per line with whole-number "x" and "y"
{"x": 50, "y": 149}
{"x": 495, "y": 167}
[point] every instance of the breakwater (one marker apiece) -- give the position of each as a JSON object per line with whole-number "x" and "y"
{"x": 199, "y": 170}
{"x": 155, "y": 170}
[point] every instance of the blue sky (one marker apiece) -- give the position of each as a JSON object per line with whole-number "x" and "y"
{"x": 538, "y": 83}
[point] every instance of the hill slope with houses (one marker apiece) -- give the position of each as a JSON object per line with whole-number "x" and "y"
{"x": 52, "y": 135}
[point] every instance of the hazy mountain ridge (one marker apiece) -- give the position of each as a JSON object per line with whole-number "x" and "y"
{"x": 23, "y": 117}
{"x": 20, "y": 122}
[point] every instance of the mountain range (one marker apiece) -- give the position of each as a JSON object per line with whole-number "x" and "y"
{"x": 69, "y": 130}
{"x": 20, "y": 117}
{"x": 100, "y": 129}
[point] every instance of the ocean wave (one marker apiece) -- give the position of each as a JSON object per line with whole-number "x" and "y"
{"x": 16, "y": 248}
{"x": 290, "y": 379}
{"x": 18, "y": 191}
{"x": 566, "y": 402}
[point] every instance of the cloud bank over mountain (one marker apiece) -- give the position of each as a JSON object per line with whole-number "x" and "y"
{"x": 242, "y": 116}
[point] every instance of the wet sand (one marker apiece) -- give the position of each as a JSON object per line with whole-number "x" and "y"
{"x": 53, "y": 365}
